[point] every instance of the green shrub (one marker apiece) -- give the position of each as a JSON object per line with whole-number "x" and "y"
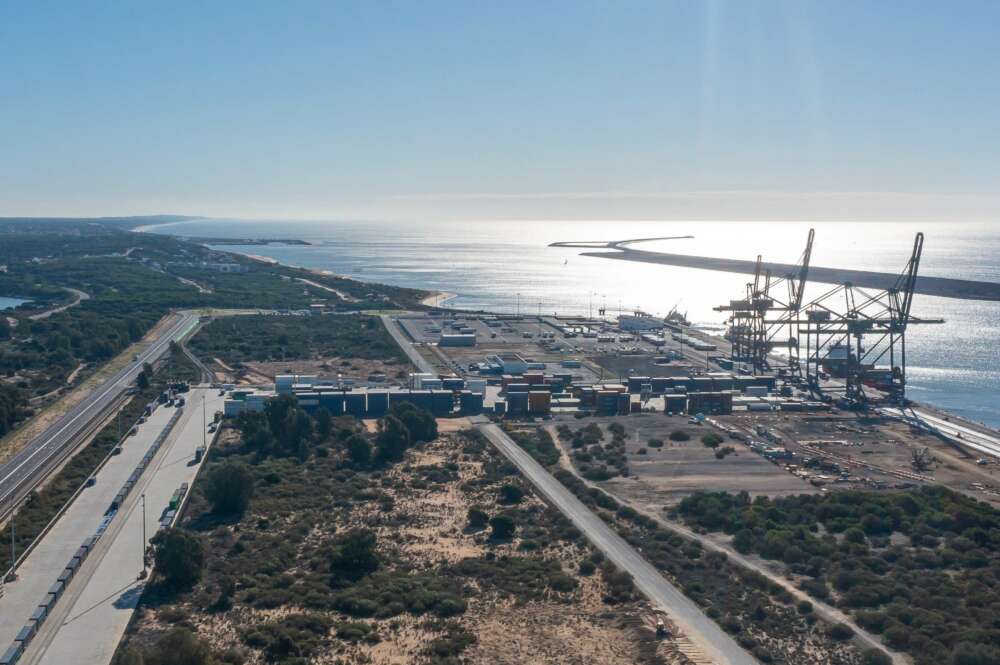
{"x": 179, "y": 558}
{"x": 229, "y": 487}
{"x": 478, "y": 519}
{"x": 711, "y": 440}
{"x": 679, "y": 435}
{"x": 503, "y": 527}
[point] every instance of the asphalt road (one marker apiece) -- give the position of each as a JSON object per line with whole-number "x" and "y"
{"x": 407, "y": 346}
{"x": 45, "y": 563}
{"x": 715, "y": 643}
{"x": 91, "y": 617}
{"x": 27, "y": 465}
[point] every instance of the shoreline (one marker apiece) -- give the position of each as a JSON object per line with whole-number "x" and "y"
{"x": 438, "y": 298}
{"x": 432, "y": 299}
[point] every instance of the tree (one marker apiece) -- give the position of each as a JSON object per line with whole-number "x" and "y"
{"x": 229, "y": 488}
{"x": 324, "y": 423}
{"x": 353, "y": 556}
{"x": 478, "y": 519}
{"x": 503, "y": 527}
{"x": 511, "y": 494}
{"x": 359, "y": 450}
{"x": 971, "y": 653}
{"x": 419, "y": 422}
{"x": 179, "y": 558}
{"x": 393, "y": 439}
{"x": 679, "y": 435}
{"x": 142, "y": 380}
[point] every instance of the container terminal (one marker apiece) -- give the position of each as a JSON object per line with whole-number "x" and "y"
{"x": 813, "y": 391}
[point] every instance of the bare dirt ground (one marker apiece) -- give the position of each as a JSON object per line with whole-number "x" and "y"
{"x": 665, "y": 475}
{"x": 328, "y": 367}
{"x": 876, "y": 453}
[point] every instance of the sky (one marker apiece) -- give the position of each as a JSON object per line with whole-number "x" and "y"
{"x": 748, "y": 109}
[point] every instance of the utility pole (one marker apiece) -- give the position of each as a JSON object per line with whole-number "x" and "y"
{"x": 204, "y": 423}
{"x": 517, "y": 305}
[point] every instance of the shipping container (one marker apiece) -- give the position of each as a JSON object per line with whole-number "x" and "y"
{"x": 12, "y": 654}
{"x": 539, "y": 402}
{"x": 26, "y": 633}
{"x": 471, "y": 404}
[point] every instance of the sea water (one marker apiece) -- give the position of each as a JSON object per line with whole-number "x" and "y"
{"x": 508, "y": 266}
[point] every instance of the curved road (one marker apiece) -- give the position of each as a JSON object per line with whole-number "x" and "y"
{"x": 80, "y": 296}
{"x": 690, "y": 620}
{"x": 26, "y": 467}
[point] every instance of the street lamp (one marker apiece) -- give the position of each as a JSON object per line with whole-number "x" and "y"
{"x": 142, "y": 575}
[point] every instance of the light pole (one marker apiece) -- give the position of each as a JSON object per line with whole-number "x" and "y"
{"x": 13, "y": 550}
{"x": 142, "y": 575}
{"x": 204, "y": 423}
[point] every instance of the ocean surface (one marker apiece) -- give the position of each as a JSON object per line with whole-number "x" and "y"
{"x": 508, "y": 266}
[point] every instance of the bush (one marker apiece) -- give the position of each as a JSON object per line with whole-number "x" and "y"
{"x": 655, "y": 443}
{"x": 359, "y": 450}
{"x": 587, "y": 567}
{"x": 875, "y": 657}
{"x": 503, "y": 527}
{"x": 679, "y": 435}
{"x": 229, "y": 488}
{"x": 179, "y": 558}
{"x": 510, "y": 494}
{"x": 178, "y": 647}
{"x": 711, "y": 440}
{"x": 353, "y": 556}
{"x": 478, "y": 519}
{"x": 841, "y": 631}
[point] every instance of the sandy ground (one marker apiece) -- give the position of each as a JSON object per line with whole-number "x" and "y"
{"x": 328, "y": 367}
{"x": 438, "y": 299}
{"x": 428, "y": 528}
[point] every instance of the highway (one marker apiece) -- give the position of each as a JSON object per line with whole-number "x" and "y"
{"x": 714, "y": 643}
{"x": 27, "y": 467}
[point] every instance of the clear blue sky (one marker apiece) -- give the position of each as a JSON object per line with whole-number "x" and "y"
{"x": 501, "y": 109}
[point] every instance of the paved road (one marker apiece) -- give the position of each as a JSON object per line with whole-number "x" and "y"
{"x": 421, "y": 363}
{"x": 78, "y": 294}
{"x": 91, "y": 618}
{"x": 26, "y": 466}
{"x": 42, "y": 567}
{"x": 692, "y": 623}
